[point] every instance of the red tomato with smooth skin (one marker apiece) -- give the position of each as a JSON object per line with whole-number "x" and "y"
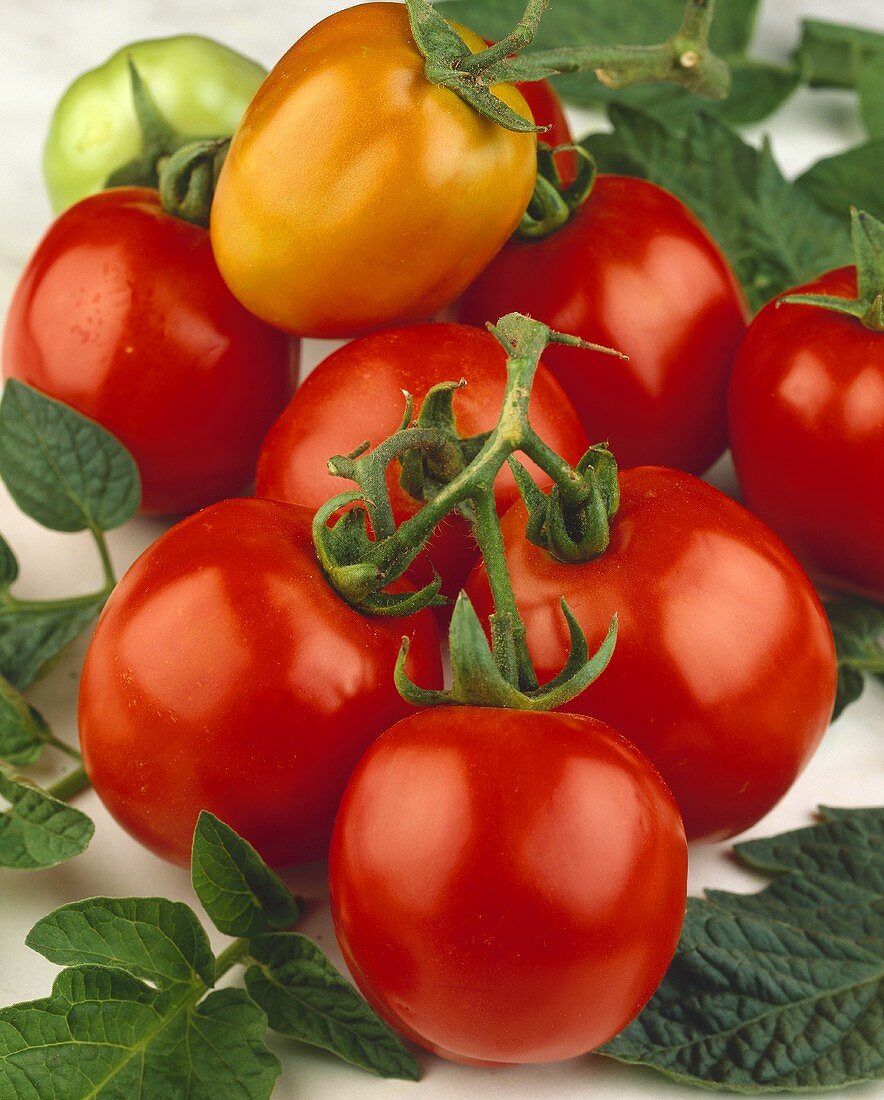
{"x": 356, "y": 394}
{"x": 122, "y": 313}
{"x": 634, "y": 270}
{"x": 806, "y": 413}
{"x": 507, "y": 886}
{"x": 225, "y": 675}
{"x": 724, "y": 668}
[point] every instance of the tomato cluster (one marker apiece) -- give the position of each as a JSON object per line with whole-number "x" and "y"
{"x": 492, "y": 871}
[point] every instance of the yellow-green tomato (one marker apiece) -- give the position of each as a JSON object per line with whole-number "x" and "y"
{"x": 200, "y": 87}
{"x": 356, "y": 193}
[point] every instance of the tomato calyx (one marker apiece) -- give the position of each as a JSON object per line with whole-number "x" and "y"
{"x": 553, "y": 203}
{"x": 867, "y": 236}
{"x": 685, "y": 58}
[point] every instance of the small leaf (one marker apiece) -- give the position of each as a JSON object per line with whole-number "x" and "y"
{"x": 238, "y": 890}
{"x": 8, "y": 565}
{"x": 38, "y": 830}
{"x": 104, "y": 1034}
{"x": 152, "y": 938}
{"x": 23, "y": 732}
{"x": 774, "y": 235}
{"x": 782, "y": 990}
{"x": 848, "y": 179}
{"x": 62, "y": 469}
{"x": 858, "y": 629}
{"x": 308, "y": 1000}
{"x": 34, "y": 634}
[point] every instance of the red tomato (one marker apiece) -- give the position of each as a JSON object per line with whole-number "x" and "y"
{"x": 356, "y": 394}
{"x": 724, "y": 669}
{"x": 636, "y": 271}
{"x": 226, "y": 675}
{"x": 547, "y": 110}
{"x": 122, "y": 314}
{"x": 507, "y": 886}
{"x": 807, "y": 434}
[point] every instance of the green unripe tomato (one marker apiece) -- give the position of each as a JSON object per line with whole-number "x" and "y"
{"x": 201, "y": 87}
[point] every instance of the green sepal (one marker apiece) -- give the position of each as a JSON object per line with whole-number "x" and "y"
{"x": 867, "y": 238}
{"x": 187, "y": 179}
{"x": 158, "y": 137}
{"x": 553, "y": 205}
{"x": 477, "y": 679}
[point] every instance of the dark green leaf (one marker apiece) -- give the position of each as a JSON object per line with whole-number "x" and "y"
{"x": 8, "y": 564}
{"x": 63, "y": 470}
{"x": 870, "y": 86}
{"x": 849, "y": 179}
{"x": 782, "y": 990}
{"x": 33, "y": 634}
{"x": 23, "y": 733}
{"x": 237, "y": 889}
{"x": 858, "y": 629}
{"x": 308, "y": 1000}
{"x": 38, "y": 830}
{"x": 774, "y": 235}
{"x": 832, "y": 55}
{"x": 104, "y": 1034}
{"x": 152, "y": 938}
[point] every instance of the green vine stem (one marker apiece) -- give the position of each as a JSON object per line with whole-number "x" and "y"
{"x": 685, "y": 58}
{"x": 571, "y": 522}
{"x": 70, "y": 784}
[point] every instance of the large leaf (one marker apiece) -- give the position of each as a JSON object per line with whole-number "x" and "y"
{"x": 307, "y": 999}
{"x": 103, "y": 1033}
{"x": 870, "y": 86}
{"x": 62, "y": 469}
{"x": 849, "y": 179}
{"x": 834, "y": 55}
{"x": 237, "y": 889}
{"x": 38, "y": 830}
{"x": 23, "y": 733}
{"x": 33, "y": 634}
{"x": 774, "y": 235}
{"x": 781, "y": 990}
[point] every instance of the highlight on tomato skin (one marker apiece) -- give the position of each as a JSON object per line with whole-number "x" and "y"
{"x": 357, "y": 194}
{"x": 507, "y": 886}
{"x": 356, "y": 395}
{"x": 226, "y": 675}
{"x": 634, "y": 270}
{"x": 122, "y": 314}
{"x": 724, "y": 672}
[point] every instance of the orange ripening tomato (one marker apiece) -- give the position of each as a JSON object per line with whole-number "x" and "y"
{"x": 356, "y": 193}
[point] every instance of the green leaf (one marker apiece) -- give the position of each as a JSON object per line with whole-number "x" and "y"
{"x": 8, "y": 565}
{"x": 870, "y": 86}
{"x": 833, "y": 55}
{"x": 63, "y": 470}
{"x": 23, "y": 732}
{"x": 34, "y": 634}
{"x": 781, "y": 990}
{"x": 848, "y": 179}
{"x": 858, "y": 629}
{"x": 152, "y": 938}
{"x": 773, "y": 234}
{"x": 308, "y": 1000}
{"x": 103, "y": 1033}
{"x": 238, "y": 890}
{"x": 38, "y": 830}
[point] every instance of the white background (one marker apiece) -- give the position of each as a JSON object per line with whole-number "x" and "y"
{"x": 46, "y": 43}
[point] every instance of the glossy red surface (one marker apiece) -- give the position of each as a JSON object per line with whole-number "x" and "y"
{"x": 224, "y": 674}
{"x": 633, "y": 270}
{"x": 724, "y": 668}
{"x": 507, "y": 886}
{"x": 806, "y": 411}
{"x": 121, "y": 313}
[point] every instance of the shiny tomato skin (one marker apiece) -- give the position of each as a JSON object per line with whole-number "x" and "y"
{"x": 506, "y": 886}
{"x": 633, "y": 270}
{"x": 357, "y": 194}
{"x": 724, "y": 668}
{"x": 806, "y": 417}
{"x": 121, "y": 313}
{"x": 356, "y": 394}
{"x": 224, "y": 674}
